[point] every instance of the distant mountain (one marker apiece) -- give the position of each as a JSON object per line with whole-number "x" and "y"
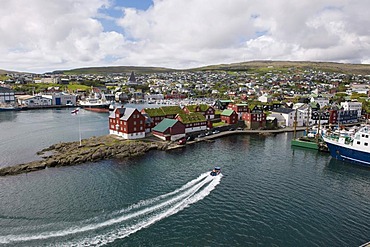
{"x": 363, "y": 69}
{"x": 114, "y": 69}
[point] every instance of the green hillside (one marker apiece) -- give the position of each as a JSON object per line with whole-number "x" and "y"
{"x": 115, "y": 69}
{"x": 265, "y": 66}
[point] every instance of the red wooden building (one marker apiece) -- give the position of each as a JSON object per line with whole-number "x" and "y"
{"x": 207, "y": 111}
{"x": 128, "y": 123}
{"x": 169, "y": 130}
{"x": 193, "y": 122}
{"x": 255, "y": 118}
{"x": 158, "y": 114}
{"x": 229, "y": 116}
{"x": 239, "y": 108}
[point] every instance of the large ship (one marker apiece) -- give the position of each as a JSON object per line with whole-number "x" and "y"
{"x": 353, "y": 148}
{"x": 95, "y": 104}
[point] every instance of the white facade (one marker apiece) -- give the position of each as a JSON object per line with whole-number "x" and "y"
{"x": 352, "y": 106}
{"x": 195, "y": 128}
{"x": 63, "y": 99}
{"x": 322, "y": 101}
{"x": 289, "y": 118}
{"x": 6, "y": 96}
{"x": 36, "y": 100}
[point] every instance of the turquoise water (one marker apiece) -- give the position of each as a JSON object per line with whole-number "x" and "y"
{"x": 269, "y": 195}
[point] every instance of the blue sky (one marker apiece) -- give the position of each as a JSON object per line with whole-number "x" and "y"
{"x": 47, "y": 35}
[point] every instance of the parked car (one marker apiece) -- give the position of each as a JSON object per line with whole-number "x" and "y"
{"x": 182, "y": 141}
{"x": 201, "y": 135}
{"x": 216, "y": 131}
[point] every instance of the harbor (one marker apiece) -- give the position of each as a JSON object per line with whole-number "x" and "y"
{"x": 270, "y": 193}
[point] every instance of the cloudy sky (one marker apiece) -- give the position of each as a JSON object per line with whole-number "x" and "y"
{"x": 46, "y": 35}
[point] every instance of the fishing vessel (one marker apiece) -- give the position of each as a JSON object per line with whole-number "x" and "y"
{"x": 353, "y": 148}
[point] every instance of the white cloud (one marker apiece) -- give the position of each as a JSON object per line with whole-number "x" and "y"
{"x": 42, "y": 35}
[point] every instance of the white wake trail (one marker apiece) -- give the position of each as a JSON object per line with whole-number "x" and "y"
{"x": 126, "y": 231}
{"x": 145, "y": 207}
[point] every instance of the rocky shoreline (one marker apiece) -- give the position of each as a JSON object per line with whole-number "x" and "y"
{"x": 92, "y": 149}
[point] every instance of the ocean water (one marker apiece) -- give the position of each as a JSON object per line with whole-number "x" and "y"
{"x": 268, "y": 195}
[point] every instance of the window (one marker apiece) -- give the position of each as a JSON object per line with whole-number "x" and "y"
{"x": 134, "y": 122}
{"x": 134, "y": 128}
{"x": 358, "y": 142}
{"x": 366, "y": 144}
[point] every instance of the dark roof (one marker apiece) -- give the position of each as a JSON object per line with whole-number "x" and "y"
{"x": 124, "y": 113}
{"x": 5, "y": 90}
{"x": 165, "y": 124}
{"x": 132, "y": 77}
{"x": 283, "y": 110}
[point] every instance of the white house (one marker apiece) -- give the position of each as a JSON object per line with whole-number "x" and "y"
{"x": 289, "y": 116}
{"x": 321, "y": 100}
{"x": 352, "y": 105}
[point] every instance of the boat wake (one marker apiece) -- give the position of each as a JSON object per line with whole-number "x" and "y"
{"x": 122, "y": 223}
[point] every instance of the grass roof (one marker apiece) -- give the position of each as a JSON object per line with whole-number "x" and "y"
{"x": 193, "y": 117}
{"x": 227, "y": 112}
{"x": 163, "y": 111}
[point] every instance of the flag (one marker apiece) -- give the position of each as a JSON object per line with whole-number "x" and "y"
{"x": 75, "y": 111}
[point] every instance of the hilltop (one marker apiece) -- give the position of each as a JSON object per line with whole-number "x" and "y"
{"x": 264, "y": 66}
{"x": 114, "y": 69}
{"x": 252, "y": 67}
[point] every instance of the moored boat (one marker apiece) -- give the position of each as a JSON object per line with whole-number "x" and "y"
{"x": 216, "y": 171}
{"x": 355, "y": 148}
{"x": 96, "y": 105}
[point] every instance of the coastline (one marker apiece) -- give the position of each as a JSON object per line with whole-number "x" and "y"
{"x": 109, "y": 146}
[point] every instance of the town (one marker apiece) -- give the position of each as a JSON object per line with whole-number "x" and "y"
{"x": 192, "y": 103}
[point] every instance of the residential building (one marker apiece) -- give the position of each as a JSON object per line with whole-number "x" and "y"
{"x": 207, "y": 111}
{"x": 7, "y": 96}
{"x": 158, "y": 114}
{"x": 193, "y": 121}
{"x": 289, "y": 116}
{"x": 240, "y": 109}
{"x": 169, "y": 130}
{"x": 229, "y": 116}
{"x": 255, "y": 118}
{"x": 352, "y": 105}
{"x": 128, "y": 123}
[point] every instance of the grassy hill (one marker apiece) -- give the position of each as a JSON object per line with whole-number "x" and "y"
{"x": 251, "y": 67}
{"x": 115, "y": 69}
{"x": 265, "y": 66}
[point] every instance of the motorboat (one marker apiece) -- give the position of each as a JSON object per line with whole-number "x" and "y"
{"x": 216, "y": 171}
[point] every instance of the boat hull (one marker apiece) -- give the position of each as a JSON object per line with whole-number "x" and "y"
{"x": 96, "y": 109}
{"x": 348, "y": 154}
{"x": 305, "y": 144}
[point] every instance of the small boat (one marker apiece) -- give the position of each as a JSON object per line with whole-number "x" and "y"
{"x": 216, "y": 171}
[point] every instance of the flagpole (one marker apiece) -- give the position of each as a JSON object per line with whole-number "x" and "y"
{"x": 79, "y": 128}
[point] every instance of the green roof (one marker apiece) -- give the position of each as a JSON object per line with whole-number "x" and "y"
{"x": 242, "y": 104}
{"x": 227, "y": 112}
{"x": 193, "y": 117}
{"x": 202, "y": 107}
{"x": 165, "y": 124}
{"x": 163, "y": 111}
